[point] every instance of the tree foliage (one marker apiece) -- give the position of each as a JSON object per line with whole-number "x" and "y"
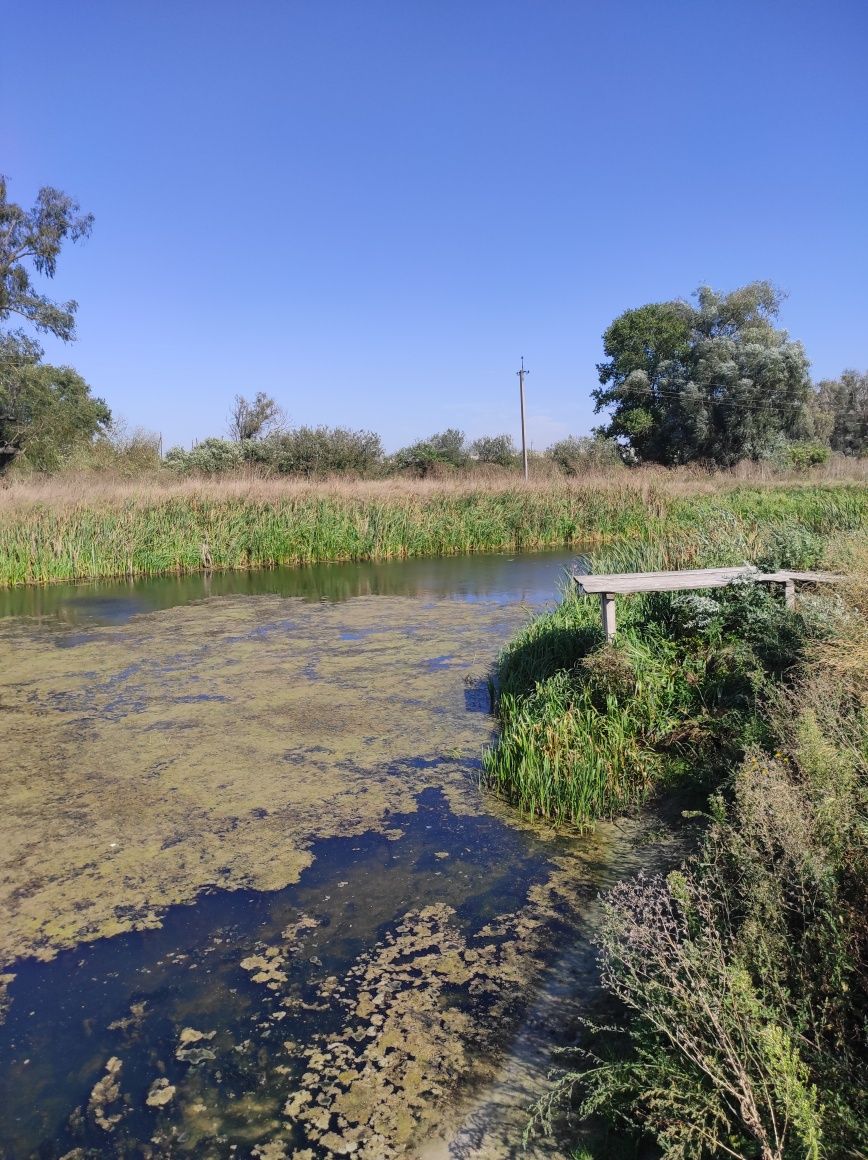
{"x": 35, "y": 236}
{"x": 576, "y": 455}
{"x": 45, "y": 411}
{"x": 314, "y": 451}
{"x": 447, "y": 447}
{"x": 210, "y": 457}
{"x": 307, "y": 451}
{"x": 497, "y": 449}
{"x": 842, "y": 405}
{"x": 716, "y": 382}
{"x": 256, "y": 418}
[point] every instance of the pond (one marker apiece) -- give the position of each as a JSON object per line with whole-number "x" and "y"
{"x": 254, "y": 901}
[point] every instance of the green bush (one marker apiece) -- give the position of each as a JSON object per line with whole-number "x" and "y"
{"x": 447, "y": 448}
{"x": 497, "y": 449}
{"x": 579, "y": 454}
{"x": 745, "y": 973}
{"x": 808, "y": 453}
{"x": 318, "y": 451}
{"x": 210, "y": 457}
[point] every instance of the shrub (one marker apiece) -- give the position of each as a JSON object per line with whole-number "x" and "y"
{"x": 808, "y": 453}
{"x": 210, "y": 457}
{"x": 497, "y": 449}
{"x": 447, "y": 448}
{"x": 312, "y": 451}
{"x": 578, "y": 455}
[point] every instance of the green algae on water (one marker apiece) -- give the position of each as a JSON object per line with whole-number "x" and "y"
{"x": 210, "y": 745}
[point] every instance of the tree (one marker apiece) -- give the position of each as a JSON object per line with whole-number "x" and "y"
{"x": 498, "y": 449}
{"x": 45, "y": 411}
{"x": 255, "y": 420}
{"x": 714, "y": 382}
{"x": 843, "y": 405}
{"x": 446, "y": 447}
{"x": 577, "y": 455}
{"x": 36, "y": 236}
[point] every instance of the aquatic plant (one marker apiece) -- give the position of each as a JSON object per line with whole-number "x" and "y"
{"x": 60, "y": 531}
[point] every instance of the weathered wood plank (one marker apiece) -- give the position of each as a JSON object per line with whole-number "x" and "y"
{"x": 607, "y": 611}
{"x": 624, "y": 583}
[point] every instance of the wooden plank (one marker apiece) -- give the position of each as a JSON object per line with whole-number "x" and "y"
{"x": 806, "y": 577}
{"x": 624, "y": 583}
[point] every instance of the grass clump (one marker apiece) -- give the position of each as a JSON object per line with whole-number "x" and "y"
{"x": 742, "y": 977}
{"x": 589, "y": 729}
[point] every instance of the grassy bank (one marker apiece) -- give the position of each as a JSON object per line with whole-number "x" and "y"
{"x": 589, "y": 729}
{"x": 742, "y": 979}
{"x": 72, "y": 530}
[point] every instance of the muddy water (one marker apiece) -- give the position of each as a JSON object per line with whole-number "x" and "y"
{"x": 253, "y": 900}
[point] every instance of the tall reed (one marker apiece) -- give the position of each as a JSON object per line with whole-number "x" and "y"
{"x": 61, "y": 532}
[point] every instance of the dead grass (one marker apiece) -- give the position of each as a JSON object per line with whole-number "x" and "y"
{"x": 646, "y": 482}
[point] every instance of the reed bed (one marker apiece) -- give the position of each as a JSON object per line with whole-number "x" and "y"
{"x": 81, "y": 528}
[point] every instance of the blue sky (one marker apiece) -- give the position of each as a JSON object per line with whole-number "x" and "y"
{"x": 371, "y": 209}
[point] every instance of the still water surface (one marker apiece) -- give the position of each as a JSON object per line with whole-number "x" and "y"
{"x": 255, "y": 903}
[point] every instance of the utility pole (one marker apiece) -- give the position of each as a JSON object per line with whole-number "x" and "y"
{"x": 521, "y": 375}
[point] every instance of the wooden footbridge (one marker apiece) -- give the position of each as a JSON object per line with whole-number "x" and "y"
{"x": 609, "y": 586}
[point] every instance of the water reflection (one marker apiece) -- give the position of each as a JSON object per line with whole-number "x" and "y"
{"x": 503, "y": 578}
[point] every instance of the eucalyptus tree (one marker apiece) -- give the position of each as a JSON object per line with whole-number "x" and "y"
{"x": 716, "y": 382}
{"x": 44, "y": 410}
{"x": 34, "y": 238}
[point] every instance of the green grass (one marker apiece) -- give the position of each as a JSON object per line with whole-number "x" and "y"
{"x": 737, "y": 986}
{"x": 590, "y": 729}
{"x": 739, "y": 982}
{"x": 62, "y": 535}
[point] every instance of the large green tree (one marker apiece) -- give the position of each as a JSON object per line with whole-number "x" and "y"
{"x": 715, "y": 382}
{"x": 44, "y": 410}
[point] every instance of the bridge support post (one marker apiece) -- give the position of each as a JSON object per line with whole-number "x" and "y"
{"x": 607, "y": 611}
{"x": 790, "y": 595}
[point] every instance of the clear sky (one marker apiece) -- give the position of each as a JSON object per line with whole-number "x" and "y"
{"x": 371, "y": 209}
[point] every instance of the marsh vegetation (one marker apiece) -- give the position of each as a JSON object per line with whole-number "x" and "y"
{"x": 740, "y": 980}
{"x": 59, "y": 530}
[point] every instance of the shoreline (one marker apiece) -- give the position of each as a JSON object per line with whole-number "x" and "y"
{"x": 59, "y": 535}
